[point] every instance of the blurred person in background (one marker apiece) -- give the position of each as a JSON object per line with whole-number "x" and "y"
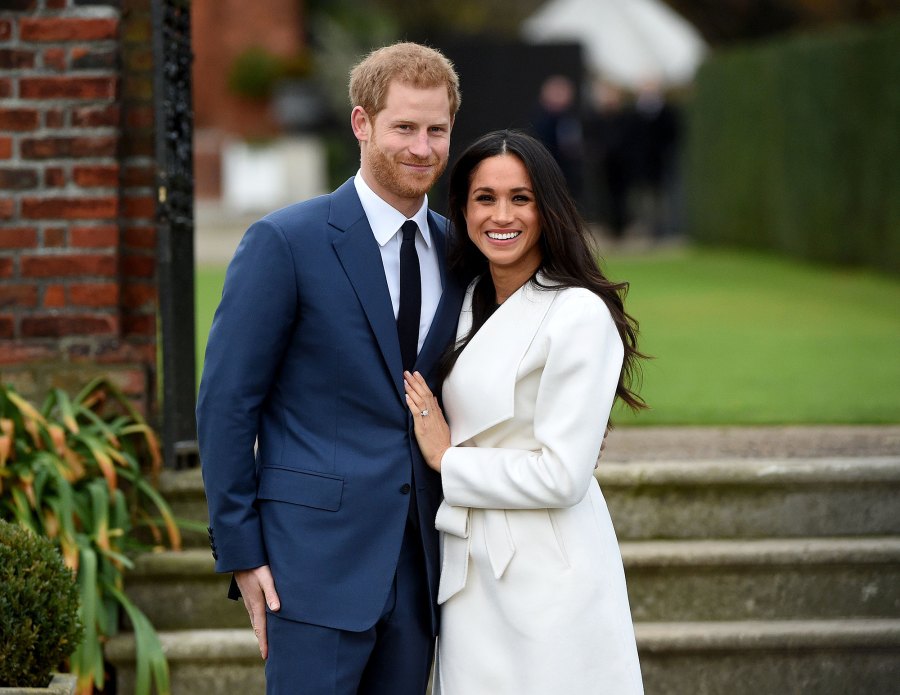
{"x": 656, "y": 139}
{"x": 556, "y": 122}
{"x": 609, "y": 143}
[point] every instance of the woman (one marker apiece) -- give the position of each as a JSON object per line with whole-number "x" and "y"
{"x": 532, "y": 587}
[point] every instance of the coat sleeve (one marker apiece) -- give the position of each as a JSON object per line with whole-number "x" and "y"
{"x": 575, "y": 395}
{"x": 248, "y": 338}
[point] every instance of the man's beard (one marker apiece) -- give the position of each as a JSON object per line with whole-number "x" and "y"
{"x": 390, "y": 174}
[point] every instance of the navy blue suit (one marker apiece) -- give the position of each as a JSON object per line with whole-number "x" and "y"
{"x": 303, "y": 354}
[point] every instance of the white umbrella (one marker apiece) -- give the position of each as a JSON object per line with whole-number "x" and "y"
{"x": 628, "y": 42}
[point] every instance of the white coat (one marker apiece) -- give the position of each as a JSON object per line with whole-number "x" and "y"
{"x": 532, "y": 587}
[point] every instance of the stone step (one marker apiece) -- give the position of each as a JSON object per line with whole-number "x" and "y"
{"x": 200, "y": 661}
{"x": 183, "y": 490}
{"x": 753, "y": 498}
{"x": 181, "y": 590}
{"x": 814, "y": 657}
{"x": 744, "y": 498}
{"x": 771, "y": 579}
{"x": 667, "y": 580}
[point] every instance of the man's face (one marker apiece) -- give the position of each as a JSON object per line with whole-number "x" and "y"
{"x": 405, "y": 147}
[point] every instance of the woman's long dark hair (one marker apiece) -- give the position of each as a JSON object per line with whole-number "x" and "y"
{"x": 568, "y": 259}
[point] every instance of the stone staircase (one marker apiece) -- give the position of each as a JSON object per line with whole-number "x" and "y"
{"x": 754, "y": 576}
{"x": 762, "y": 576}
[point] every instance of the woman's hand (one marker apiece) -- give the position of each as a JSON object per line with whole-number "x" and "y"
{"x": 431, "y": 428}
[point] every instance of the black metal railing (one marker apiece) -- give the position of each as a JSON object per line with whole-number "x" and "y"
{"x": 175, "y": 227}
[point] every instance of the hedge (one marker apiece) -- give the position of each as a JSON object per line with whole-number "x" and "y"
{"x": 794, "y": 145}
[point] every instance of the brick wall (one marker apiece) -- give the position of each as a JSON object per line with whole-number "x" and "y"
{"x": 78, "y": 290}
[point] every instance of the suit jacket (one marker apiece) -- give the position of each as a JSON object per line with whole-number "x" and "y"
{"x": 303, "y": 358}
{"x": 527, "y": 538}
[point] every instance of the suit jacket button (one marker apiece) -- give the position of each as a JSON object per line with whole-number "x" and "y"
{"x": 405, "y": 488}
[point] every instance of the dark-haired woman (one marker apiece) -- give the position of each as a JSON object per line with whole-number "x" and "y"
{"x": 532, "y": 586}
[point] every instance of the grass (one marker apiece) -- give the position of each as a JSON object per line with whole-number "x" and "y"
{"x": 740, "y": 338}
{"x": 208, "y": 283}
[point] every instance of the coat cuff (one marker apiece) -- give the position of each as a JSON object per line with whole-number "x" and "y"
{"x": 452, "y": 520}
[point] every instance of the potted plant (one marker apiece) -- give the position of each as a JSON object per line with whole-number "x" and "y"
{"x": 39, "y": 624}
{"x": 79, "y": 471}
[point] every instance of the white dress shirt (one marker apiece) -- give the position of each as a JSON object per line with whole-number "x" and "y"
{"x": 385, "y": 222}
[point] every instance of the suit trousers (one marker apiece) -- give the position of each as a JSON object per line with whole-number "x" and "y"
{"x": 393, "y": 657}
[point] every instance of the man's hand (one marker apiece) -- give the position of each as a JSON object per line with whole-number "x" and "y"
{"x": 258, "y": 589}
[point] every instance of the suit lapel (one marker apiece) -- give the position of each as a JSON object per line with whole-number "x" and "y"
{"x": 360, "y": 257}
{"x": 443, "y": 325}
{"x": 490, "y": 362}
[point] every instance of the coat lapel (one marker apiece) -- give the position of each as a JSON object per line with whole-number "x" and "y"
{"x": 358, "y": 253}
{"x": 490, "y": 362}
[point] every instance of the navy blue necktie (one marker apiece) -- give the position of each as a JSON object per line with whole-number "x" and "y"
{"x": 410, "y": 296}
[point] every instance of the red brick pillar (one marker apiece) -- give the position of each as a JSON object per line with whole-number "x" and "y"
{"x": 77, "y": 239}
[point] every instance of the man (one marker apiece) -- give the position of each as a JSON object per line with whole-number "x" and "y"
{"x": 328, "y": 526}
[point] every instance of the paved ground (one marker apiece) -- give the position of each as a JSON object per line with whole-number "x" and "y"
{"x": 218, "y": 233}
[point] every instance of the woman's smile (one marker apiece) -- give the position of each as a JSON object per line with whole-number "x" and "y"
{"x": 503, "y": 236}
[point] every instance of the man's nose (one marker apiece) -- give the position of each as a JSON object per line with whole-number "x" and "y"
{"x": 421, "y": 146}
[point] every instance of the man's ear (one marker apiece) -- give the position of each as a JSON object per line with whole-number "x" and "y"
{"x": 361, "y": 123}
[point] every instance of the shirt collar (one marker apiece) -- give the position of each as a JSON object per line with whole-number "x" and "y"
{"x": 386, "y": 220}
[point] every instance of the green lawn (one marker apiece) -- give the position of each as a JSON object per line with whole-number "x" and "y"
{"x": 750, "y": 339}
{"x": 741, "y": 338}
{"x": 208, "y": 290}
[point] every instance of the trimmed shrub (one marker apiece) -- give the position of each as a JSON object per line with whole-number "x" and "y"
{"x": 39, "y": 625}
{"x": 793, "y": 146}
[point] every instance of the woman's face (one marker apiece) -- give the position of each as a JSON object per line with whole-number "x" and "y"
{"x": 502, "y": 216}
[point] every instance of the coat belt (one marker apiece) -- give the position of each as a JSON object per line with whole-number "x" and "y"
{"x": 455, "y": 525}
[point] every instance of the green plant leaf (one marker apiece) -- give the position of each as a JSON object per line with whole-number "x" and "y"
{"x": 106, "y": 429}
{"x": 87, "y": 661}
{"x": 150, "y": 660}
{"x": 100, "y": 509}
{"x": 101, "y": 456}
{"x": 66, "y": 410}
{"x": 161, "y": 504}
{"x": 153, "y": 446}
